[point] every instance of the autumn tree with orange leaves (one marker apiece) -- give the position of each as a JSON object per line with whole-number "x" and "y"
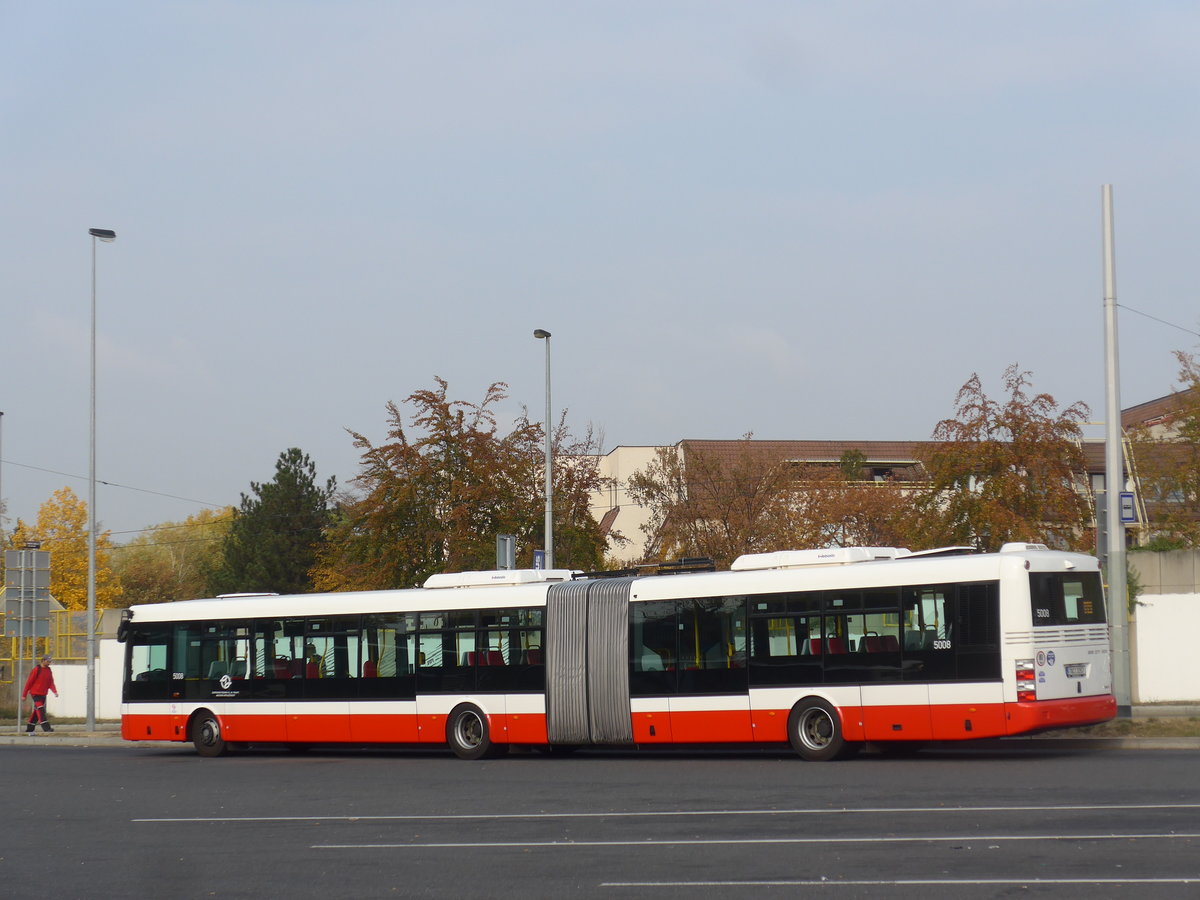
{"x": 1168, "y": 464}
{"x": 434, "y": 496}
{"x": 722, "y": 502}
{"x": 172, "y": 560}
{"x": 1011, "y": 471}
{"x": 62, "y": 529}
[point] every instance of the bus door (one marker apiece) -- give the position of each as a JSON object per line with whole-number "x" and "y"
{"x": 893, "y": 709}
{"x": 711, "y": 701}
{"x": 323, "y": 659}
{"x": 387, "y": 687}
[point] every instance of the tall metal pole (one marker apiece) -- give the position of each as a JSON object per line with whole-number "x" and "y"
{"x": 19, "y": 684}
{"x": 1, "y": 476}
{"x": 542, "y": 334}
{"x": 106, "y": 235}
{"x": 91, "y": 582}
{"x": 1114, "y": 475}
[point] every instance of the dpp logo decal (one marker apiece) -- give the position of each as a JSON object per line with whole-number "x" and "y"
{"x": 225, "y": 682}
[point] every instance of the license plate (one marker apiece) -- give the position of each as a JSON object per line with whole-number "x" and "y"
{"x": 1076, "y": 670}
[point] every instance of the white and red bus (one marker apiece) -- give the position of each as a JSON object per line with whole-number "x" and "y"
{"x": 823, "y": 649}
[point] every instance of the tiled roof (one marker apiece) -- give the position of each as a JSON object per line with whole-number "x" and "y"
{"x": 1151, "y": 412}
{"x": 876, "y": 452}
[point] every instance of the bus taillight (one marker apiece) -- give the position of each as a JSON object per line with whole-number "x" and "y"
{"x": 1026, "y": 681}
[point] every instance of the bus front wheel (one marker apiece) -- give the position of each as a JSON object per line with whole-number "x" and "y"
{"x": 468, "y": 734}
{"x": 206, "y": 734}
{"x": 815, "y": 731}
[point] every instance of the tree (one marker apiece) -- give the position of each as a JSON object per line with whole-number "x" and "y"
{"x": 173, "y": 560}
{"x": 705, "y": 502}
{"x": 1011, "y": 472}
{"x": 436, "y": 500}
{"x": 710, "y": 499}
{"x": 62, "y": 528}
{"x": 277, "y": 531}
{"x": 1168, "y": 463}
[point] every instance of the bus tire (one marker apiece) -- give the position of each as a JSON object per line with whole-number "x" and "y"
{"x": 206, "y": 736}
{"x": 468, "y": 733}
{"x": 815, "y": 731}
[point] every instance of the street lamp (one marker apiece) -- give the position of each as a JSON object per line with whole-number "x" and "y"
{"x": 101, "y": 234}
{"x": 1, "y": 479}
{"x": 1114, "y": 473}
{"x": 543, "y": 335}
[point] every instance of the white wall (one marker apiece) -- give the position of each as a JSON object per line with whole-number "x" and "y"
{"x": 71, "y": 680}
{"x": 1167, "y": 628}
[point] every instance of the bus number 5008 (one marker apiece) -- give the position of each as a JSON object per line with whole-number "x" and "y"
{"x": 941, "y": 645}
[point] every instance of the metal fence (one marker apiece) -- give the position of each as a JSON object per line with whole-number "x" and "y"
{"x": 67, "y": 641}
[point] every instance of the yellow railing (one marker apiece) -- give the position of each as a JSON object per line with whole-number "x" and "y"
{"x": 67, "y": 641}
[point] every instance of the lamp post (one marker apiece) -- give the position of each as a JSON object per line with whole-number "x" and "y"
{"x": 1, "y": 479}
{"x": 543, "y": 335}
{"x": 1114, "y": 473}
{"x": 101, "y": 234}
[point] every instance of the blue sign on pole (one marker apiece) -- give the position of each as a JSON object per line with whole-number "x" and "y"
{"x": 539, "y": 559}
{"x": 1128, "y": 509}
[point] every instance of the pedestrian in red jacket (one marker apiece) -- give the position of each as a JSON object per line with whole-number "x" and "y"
{"x": 39, "y": 683}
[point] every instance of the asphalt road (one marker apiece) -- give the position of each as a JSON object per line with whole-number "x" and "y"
{"x": 155, "y": 821}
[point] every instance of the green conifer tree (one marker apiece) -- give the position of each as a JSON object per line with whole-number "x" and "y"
{"x": 276, "y": 531}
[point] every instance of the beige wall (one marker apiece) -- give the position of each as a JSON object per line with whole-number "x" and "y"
{"x": 1172, "y": 572}
{"x": 618, "y": 465}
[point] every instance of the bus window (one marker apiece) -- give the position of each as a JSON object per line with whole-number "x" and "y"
{"x": 215, "y": 657}
{"x": 446, "y": 652}
{"x": 785, "y": 650}
{"x": 1072, "y": 598}
{"x": 149, "y": 678}
{"x": 926, "y": 617}
{"x": 880, "y": 633}
{"x": 653, "y": 648}
{"x": 269, "y": 669}
{"x": 388, "y": 645}
{"x": 509, "y": 657}
{"x": 712, "y": 646}
{"x": 976, "y": 631}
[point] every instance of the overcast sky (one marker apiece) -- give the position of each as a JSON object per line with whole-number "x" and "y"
{"x": 807, "y": 220}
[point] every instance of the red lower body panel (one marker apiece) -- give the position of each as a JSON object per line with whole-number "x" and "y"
{"x": 914, "y": 722}
{"x": 1043, "y": 714}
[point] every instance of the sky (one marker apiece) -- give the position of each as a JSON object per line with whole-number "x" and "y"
{"x": 804, "y": 220}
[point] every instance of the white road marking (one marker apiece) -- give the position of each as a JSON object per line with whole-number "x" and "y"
{"x": 896, "y": 882}
{"x": 618, "y": 814}
{"x": 699, "y": 842}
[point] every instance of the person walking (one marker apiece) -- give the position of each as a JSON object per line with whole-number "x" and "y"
{"x": 39, "y": 683}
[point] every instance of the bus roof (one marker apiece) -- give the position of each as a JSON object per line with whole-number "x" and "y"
{"x": 837, "y": 568}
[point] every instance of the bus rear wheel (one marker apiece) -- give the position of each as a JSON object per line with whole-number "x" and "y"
{"x": 206, "y": 734}
{"x": 468, "y": 734}
{"x": 815, "y": 732}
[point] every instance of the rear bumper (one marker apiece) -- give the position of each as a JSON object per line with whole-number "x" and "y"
{"x": 1041, "y": 715}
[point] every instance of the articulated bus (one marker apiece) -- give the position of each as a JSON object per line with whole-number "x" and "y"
{"x": 822, "y": 649}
